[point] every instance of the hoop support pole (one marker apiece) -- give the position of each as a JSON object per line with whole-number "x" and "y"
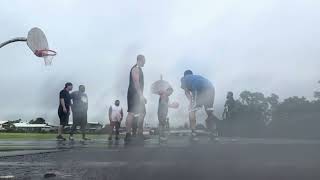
{"x": 13, "y": 40}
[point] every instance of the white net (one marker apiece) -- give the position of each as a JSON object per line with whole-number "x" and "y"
{"x": 48, "y": 60}
{"x": 47, "y": 56}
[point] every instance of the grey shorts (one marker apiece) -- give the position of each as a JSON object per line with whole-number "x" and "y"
{"x": 204, "y": 98}
{"x": 80, "y": 118}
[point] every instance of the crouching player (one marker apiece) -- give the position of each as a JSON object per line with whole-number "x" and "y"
{"x": 200, "y": 93}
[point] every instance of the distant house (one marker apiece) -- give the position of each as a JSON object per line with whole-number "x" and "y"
{"x": 31, "y": 127}
{"x": 2, "y": 125}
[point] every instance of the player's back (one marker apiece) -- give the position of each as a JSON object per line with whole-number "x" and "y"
{"x": 195, "y": 82}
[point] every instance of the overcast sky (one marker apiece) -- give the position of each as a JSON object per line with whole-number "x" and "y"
{"x": 269, "y": 46}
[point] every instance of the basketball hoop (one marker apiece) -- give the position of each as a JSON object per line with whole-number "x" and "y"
{"x": 46, "y": 54}
{"x": 38, "y": 44}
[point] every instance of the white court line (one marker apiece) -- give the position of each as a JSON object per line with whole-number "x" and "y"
{"x": 91, "y": 164}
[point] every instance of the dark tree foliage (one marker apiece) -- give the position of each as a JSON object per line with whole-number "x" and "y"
{"x": 317, "y": 93}
{"x": 38, "y": 121}
{"x": 256, "y": 115}
{"x": 252, "y": 111}
{"x": 297, "y": 117}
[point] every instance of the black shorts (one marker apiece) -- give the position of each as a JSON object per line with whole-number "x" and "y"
{"x": 135, "y": 105}
{"x": 79, "y": 118}
{"x": 64, "y": 118}
{"x": 205, "y": 98}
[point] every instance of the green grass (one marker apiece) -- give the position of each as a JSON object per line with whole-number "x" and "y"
{"x": 41, "y": 136}
{"x": 10, "y": 139}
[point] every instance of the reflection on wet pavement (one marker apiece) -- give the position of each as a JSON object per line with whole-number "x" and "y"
{"x": 178, "y": 159}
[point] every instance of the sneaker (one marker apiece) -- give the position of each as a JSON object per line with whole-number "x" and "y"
{"x": 86, "y": 139}
{"x": 163, "y": 139}
{"x": 194, "y": 136}
{"x": 61, "y": 138}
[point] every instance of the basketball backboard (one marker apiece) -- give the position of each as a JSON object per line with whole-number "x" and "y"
{"x": 37, "y": 42}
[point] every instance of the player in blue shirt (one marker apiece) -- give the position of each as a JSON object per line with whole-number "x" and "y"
{"x": 200, "y": 93}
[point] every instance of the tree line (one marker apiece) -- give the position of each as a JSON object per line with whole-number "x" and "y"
{"x": 256, "y": 115}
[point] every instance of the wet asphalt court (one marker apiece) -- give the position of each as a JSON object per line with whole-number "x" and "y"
{"x": 226, "y": 158}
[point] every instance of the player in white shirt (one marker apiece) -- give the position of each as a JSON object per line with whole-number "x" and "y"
{"x": 115, "y": 118}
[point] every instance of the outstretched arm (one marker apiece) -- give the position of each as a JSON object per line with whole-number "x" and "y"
{"x": 136, "y": 80}
{"x": 188, "y": 94}
{"x": 63, "y": 105}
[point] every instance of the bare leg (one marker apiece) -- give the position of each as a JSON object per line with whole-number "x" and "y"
{"x": 192, "y": 119}
{"x": 162, "y": 128}
{"x": 60, "y": 129}
{"x": 73, "y": 129}
{"x": 134, "y": 126}
{"x": 129, "y": 120}
{"x": 117, "y": 126}
{"x": 84, "y": 123}
{"x": 111, "y": 133}
{"x": 83, "y": 131}
{"x": 140, "y": 123}
{"x": 210, "y": 121}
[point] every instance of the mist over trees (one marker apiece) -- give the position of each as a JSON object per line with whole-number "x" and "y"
{"x": 257, "y": 115}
